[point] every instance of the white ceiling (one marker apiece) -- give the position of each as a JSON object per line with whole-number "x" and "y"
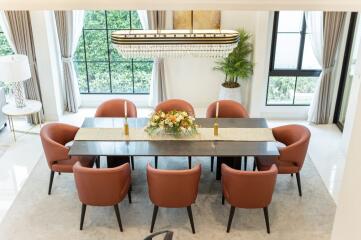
{"x": 338, "y": 5}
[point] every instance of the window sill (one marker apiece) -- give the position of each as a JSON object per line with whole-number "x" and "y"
{"x": 94, "y": 100}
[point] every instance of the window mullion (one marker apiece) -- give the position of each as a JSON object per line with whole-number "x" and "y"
{"x": 109, "y": 68}
{"x": 302, "y": 44}
{"x": 86, "y": 62}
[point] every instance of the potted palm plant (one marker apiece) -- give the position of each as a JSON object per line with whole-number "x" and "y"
{"x": 237, "y": 65}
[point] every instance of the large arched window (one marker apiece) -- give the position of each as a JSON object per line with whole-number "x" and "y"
{"x": 99, "y": 67}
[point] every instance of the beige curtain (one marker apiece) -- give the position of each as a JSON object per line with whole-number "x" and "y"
{"x": 156, "y": 20}
{"x": 69, "y": 25}
{"x": 320, "y": 110}
{"x": 21, "y": 36}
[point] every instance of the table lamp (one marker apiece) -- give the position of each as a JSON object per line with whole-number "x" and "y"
{"x": 15, "y": 69}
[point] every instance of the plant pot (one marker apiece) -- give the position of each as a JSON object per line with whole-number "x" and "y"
{"x": 230, "y": 94}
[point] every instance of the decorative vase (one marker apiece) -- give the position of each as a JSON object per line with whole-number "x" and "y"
{"x": 230, "y": 94}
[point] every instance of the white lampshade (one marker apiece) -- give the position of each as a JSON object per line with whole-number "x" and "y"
{"x": 14, "y": 68}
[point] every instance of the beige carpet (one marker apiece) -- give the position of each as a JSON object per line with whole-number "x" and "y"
{"x": 35, "y": 215}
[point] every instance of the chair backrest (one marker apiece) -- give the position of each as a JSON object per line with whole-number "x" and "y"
{"x": 54, "y": 136}
{"x": 248, "y": 189}
{"x": 173, "y": 188}
{"x": 115, "y": 108}
{"x": 296, "y": 138}
{"x": 227, "y": 109}
{"x": 175, "y": 104}
{"x": 102, "y": 186}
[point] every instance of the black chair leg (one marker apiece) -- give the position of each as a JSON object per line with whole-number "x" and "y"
{"x": 51, "y": 182}
{"x": 116, "y": 209}
{"x": 245, "y": 163}
{"x": 97, "y": 162}
{"x": 291, "y": 174}
{"x": 299, "y": 184}
{"x": 59, "y": 173}
{"x": 130, "y": 195}
{"x": 212, "y": 163}
{"x": 83, "y": 209}
{"x": 189, "y": 162}
{"x": 132, "y": 162}
{"x": 155, "y": 212}
{"x": 190, "y": 215}
{"x": 265, "y": 211}
{"x": 222, "y": 199}
{"x": 231, "y": 214}
{"x": 254, "y": 165}
{"x": 156, "y": 161}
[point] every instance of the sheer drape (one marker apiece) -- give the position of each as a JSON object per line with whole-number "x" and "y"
{"x": 18, "y": 31}
{"x": 158, "y": 85}
{"x": 326, "y": 29}
{"x": 69, "y": 25}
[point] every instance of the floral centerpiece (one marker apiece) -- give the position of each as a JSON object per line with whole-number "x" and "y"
{"x": 177, "y": 123}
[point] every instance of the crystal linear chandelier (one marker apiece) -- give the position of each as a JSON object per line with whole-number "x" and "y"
{"x": 175, "y": 43}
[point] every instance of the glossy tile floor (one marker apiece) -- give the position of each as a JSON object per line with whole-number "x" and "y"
{"x": 18, "y": 158}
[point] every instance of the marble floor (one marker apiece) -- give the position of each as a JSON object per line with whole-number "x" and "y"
{"x": 18, "y": 158}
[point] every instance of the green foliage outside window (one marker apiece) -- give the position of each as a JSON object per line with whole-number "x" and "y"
{"x": 5, "y": 49}
{"x": 99, "y": 67}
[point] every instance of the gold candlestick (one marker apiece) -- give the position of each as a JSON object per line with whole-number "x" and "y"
{"x": 215, "y": 128}
{"x": 126, "y": 128}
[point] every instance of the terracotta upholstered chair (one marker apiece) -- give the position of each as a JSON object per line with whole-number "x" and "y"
{"x": 175, "y": 104}
{"x": 54, "y": 137}
{"x": 227, "y": 109}
{"x": 247, "y": 189}
{"x": 173, "y": 189}
{"x": 115, "y": 108}
{"x": 296, "y": 139}
{"x": 102, "y": 187}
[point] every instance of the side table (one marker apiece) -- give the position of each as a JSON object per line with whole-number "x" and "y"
{"x": 31, "y": 107}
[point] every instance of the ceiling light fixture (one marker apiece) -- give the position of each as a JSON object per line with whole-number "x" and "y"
{"x": 175, "y": 43}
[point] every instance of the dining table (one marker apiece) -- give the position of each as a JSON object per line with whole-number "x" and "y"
{"x": 226, "y": 151}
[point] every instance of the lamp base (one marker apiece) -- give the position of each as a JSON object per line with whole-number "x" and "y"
{"x": 18, "y": 91}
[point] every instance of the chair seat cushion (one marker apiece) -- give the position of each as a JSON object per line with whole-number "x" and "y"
{"x": 67, "y": 165}
{"x": 264, "y": 163}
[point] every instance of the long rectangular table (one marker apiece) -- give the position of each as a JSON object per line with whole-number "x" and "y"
{"x": 219, "y": 149}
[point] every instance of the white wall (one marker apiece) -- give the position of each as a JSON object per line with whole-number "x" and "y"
{"x": 348, "y": 221}
{"x": 194, "y": 79}
{"x": 48, "y": 62}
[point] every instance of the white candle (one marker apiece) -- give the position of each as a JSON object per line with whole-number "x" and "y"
{"x": 217, "y": 109}
{"x": 125, "y": 109}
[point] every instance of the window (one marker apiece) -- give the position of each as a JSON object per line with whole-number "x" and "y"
{"x": 99, "y": 67}
{"x": 294, "y": 70}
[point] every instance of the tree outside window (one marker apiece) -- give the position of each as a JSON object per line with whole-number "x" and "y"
{"x": 99, "y": 67}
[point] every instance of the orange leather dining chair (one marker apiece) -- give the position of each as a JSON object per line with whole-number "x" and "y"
{"x": 102, "y": 187}
{"x": 173, "y": 189}
{"x": 227, "y": 109}
{"x": 296, "y": 139}
{"x": 179, "y": 105}
{"x": 115, "y": 108}
{"x": 54, "y": 137}
{"x": 247, "y": 189}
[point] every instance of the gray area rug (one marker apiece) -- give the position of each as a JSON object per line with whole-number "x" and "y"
{"x": 35, "y": 215}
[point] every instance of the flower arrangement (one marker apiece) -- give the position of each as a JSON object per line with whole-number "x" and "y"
{"x": 177, "y": 123}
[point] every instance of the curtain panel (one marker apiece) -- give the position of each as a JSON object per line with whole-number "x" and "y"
{"x": 69, "y": 25}
{"x": 155, "y": 20}
{"x": 326, "y": 29}
{"x": 19, "y": 33}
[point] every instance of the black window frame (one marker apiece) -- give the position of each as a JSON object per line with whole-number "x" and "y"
{"x": 109, "y": 61}
{"x": 299, "y": 72}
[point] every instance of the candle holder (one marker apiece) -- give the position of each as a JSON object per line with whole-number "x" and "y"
{"x": 126, "y": 128}
{"x": 215, "y": 128}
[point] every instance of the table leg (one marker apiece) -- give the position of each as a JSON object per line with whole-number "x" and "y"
{"x": 233, "y": 162}
{"x": 11, "y": 126}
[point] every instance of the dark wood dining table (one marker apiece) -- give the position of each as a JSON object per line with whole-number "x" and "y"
{"x": 223, "y": 150}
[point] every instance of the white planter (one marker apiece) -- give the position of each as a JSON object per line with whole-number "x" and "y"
{"x": 230, "y": 94}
